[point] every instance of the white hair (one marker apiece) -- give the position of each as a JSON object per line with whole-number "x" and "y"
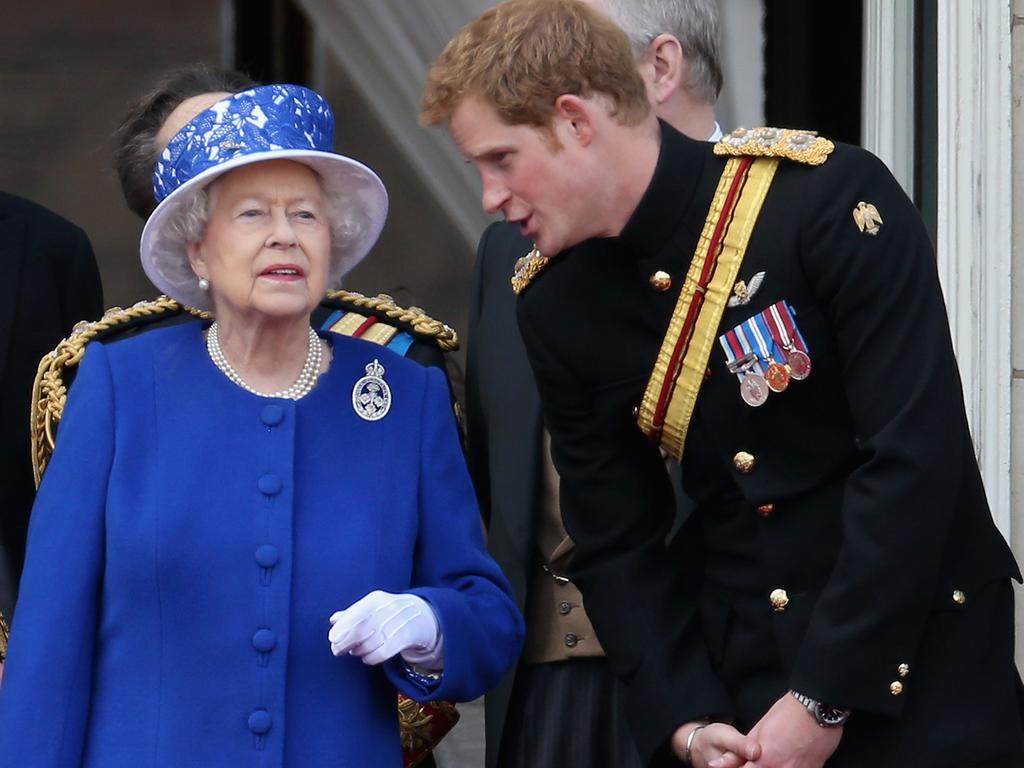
{"x": 693, "y": 22}
{"x": 187, "y": 224}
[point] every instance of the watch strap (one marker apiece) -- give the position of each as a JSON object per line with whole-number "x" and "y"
{"x": 826, "y": 715}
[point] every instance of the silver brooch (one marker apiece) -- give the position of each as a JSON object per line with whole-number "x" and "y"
{"x": 371, "y": 396}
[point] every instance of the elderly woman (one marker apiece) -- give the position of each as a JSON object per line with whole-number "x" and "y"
{"x": 250, "y": 535}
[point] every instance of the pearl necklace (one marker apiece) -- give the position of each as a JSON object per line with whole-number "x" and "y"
{"x": 303, "y": 385}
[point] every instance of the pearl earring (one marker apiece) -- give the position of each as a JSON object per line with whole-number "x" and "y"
{"x": 204, "y": 284}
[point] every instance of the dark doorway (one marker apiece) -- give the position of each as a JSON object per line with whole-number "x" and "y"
{"x": 813, "y": 53}
{"x": 926, "y": 173}
{"x": 272, "y": 41}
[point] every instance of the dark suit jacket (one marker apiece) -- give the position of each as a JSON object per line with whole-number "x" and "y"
{"x": 878, "y": 513}
{"x": 503, "y": 430}
{"x": 50, "y": 282}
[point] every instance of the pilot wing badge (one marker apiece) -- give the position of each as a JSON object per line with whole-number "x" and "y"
{"x": 743, "y": 292}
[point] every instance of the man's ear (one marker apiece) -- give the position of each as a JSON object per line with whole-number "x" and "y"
{"x": 578, "y": 117}
{"x": 670, "y": 70}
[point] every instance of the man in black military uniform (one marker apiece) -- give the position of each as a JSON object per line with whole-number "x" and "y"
{"x": 768, "y": 310}
{"x": 562, "y": 678}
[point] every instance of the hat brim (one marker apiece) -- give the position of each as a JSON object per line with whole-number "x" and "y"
{"x": 357, "y": 193}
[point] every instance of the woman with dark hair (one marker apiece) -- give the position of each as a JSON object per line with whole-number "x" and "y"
{"x": 155, "y": 117}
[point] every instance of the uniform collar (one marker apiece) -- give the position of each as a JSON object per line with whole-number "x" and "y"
{"x": 663, "y": 205}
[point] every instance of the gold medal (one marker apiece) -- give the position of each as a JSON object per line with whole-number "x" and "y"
{"x": 777, "y": 377}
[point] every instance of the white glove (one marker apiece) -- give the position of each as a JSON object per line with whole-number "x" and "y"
{"x": 381, "y": 624}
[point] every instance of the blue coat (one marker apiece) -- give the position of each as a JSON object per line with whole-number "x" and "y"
{"x": 190, "y": 541}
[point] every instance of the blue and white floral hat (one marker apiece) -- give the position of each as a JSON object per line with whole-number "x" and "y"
{"x": 271, "y": 122}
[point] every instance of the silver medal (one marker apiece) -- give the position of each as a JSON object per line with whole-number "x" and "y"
{"x": 371, "y": 396}
{"x": 754, "y": 389}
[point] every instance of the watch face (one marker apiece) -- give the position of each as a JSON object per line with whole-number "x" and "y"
{"x": 831, "y": 717}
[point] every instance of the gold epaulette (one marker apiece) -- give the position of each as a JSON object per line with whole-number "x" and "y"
{"x": 527, "y": 268}
{"x": 49, "y": 390}
{"x": 414, "y": 320}
{"x": 805, "y": 147}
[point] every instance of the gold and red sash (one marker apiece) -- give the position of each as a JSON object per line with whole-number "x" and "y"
{"x": 671, "y": 394}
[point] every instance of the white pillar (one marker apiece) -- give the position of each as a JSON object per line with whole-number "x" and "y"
{"x": 1017, "y": 342}
{"x": 975, "y": 222}
{"x": 887, "y": 126}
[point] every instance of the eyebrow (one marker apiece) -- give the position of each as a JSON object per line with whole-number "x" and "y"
{"x": 500, "y": 149}
{"x": 250, "y": 198}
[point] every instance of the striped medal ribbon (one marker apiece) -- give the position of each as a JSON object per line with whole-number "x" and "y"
{"x": 782, "y": 326}
{"x": 775, "y": 373}
{"x": 743, "y": 361}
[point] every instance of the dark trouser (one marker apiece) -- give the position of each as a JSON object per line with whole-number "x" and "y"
{"x": 566, "y": 714}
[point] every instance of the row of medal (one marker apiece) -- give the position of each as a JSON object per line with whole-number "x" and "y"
{"x": 766, "y": 353}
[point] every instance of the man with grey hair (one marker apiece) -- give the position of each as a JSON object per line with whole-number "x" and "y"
{"x": 676, "y": 44}
{"x": 561, "y": 706}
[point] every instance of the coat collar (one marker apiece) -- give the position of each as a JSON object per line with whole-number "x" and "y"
{"x": 668, "y": 197}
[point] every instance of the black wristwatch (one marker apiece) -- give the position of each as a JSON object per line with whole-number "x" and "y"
{"x": 826, "y": 715}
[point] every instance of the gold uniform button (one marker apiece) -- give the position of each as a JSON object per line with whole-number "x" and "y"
{"x": 744, "y": 462}
{"x": 896, "y": 688}
{"x": 661, "y": 281}
{"x": 959, "y": 597}
{"x": 766, "y": 510}
{"x": 903, "y": 670}
{"x": 779, "y": 600}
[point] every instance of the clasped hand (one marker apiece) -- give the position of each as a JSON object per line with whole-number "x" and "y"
{"x": 786, "y": 737}
{"x": 382, "y": 624}
{"x": 716, "y": 745}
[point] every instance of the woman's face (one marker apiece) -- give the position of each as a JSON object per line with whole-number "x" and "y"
{"x": 266, "y": 249}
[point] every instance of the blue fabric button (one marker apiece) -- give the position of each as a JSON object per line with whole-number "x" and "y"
{"x": 269, "y": 484}
{"x": 260, "y": 721}
{"x": 267, "y": 556}
{"x": 272, "y": 415}
{"x": 264, "y": 640}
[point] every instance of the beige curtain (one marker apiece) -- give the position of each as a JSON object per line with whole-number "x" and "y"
{"x": 385, "y": 47}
